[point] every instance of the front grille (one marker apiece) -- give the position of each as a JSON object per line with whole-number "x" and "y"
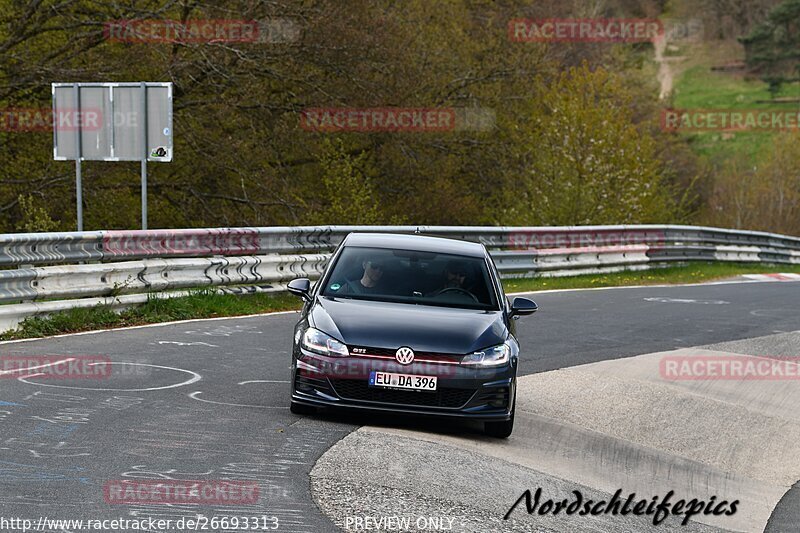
{"x": 353, "y": 389}
{"x": 366, "y": 351}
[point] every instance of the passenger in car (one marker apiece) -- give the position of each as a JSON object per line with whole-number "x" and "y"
{"x": 370, "y": 281}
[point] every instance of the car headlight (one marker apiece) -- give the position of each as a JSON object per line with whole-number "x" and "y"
{"x": 318, "y": 342}
{"x": 495, "y": 356}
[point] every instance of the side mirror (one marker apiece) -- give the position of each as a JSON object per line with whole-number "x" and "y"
{"x": 300, "y": 287}
{"x": 523, "y": 306}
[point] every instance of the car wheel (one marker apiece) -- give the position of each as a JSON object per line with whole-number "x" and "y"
{"x": 300, "y": 409}
{"x": 501, "y": 430}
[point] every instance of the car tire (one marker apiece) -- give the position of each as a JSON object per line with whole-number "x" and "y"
{"x": 300, "y": 409}
{"x": 499, "y": 430}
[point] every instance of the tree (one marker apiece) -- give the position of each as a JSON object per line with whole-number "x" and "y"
{"x": 241, "y": 157}
{"x": 33, "y": 218}
{"x": 348, "y": 187}
{"x": 764, "y": 197}
{"x": 586, "y": 161}
{"x": 772, "y": 49}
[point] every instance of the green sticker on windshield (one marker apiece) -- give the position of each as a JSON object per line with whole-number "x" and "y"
{"x": 335, "y": 287}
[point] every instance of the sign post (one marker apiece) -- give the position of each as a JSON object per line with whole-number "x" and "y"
{"x": 78, "y": 182}
{"x": 144, "y": 155}
{"x": 112, "y": 122}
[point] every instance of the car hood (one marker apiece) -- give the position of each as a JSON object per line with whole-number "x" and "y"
{"x": 421, "y": 327}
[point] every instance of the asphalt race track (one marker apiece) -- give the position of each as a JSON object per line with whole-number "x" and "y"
{"x": 207, "y": 400}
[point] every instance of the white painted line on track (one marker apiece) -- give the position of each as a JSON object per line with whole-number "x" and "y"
{"x": 179, "y": 343}
{"x": 4, "y": 372}
{"x": 194, "y": 379}
{"x": 773, "y": 277}
{"x": 667, "y": 285}
{"x": 194, "y": 396}
{"x": 685, "y": 301}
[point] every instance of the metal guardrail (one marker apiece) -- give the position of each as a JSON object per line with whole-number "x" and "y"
{"x": 106, "y": 246}
{"x": 77, "y": 269}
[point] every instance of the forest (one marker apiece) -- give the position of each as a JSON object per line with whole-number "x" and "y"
{"x": 285, "y": 115}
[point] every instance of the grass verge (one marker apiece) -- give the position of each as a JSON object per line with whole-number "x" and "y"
{"x": 700, "y": 88}
{"x": 202, "y": 303}
{"x": 208, "y": 304}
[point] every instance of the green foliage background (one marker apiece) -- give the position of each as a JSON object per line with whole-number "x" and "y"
{"x": 575, "y": 142}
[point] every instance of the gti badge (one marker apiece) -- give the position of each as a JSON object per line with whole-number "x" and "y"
{"x": 404, "y": 355}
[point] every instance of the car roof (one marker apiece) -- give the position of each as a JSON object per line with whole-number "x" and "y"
{"x": 420, "y": 243}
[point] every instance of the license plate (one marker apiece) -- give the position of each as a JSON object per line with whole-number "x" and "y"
{"x": 402, "y": 381}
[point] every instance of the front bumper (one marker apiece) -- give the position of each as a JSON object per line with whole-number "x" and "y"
{"x": 462, "y": 392}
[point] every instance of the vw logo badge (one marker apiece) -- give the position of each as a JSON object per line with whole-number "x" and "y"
{"x": 404, "y": 355}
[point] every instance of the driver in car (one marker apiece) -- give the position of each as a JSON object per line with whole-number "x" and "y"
{"x": 454, "y": 279}
{"x": 455, "y": 275}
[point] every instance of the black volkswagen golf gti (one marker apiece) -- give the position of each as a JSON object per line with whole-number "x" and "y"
{"x": 408, "y": 324}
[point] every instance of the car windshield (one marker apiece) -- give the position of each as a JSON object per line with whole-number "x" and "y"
{"x": 413, "y": 277}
